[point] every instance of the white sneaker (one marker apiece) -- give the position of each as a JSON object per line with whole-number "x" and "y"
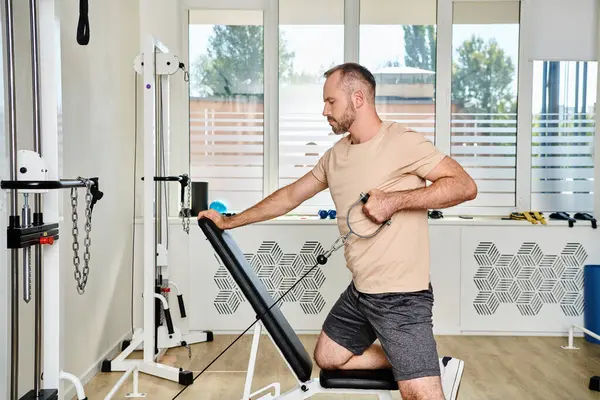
{"x": 451, "y": 370}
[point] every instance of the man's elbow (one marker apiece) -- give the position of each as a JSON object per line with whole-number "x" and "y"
{"x": 471, "y": 190}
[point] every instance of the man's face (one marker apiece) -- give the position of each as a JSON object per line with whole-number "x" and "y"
{"x": 338, "y": 108}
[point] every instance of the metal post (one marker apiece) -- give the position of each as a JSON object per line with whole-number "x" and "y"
{"x": 33, "y": 28}
{"x": 252, "y": 360}
{"x": 159, "y": 161}
{"x": 164, "y": 156}
{"x": 149, "y": 199}
{"x": 26, "y": 221}
{"x": 37, "y": 208}
{"x": 14, "y": 255}
{"x": 158, "y": 206}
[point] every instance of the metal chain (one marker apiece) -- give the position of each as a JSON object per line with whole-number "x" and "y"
{"x": 75, "y": 232}
{"x": 82, "y": 279}
{"x": 188, "y": 211}
{"x": 185, "y": 212}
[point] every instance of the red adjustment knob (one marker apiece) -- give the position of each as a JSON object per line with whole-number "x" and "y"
{"x": 47, "y": 240}
{"x": 166, "y": 290}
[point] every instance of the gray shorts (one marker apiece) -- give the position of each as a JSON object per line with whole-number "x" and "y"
{"x": 401, "y": 321}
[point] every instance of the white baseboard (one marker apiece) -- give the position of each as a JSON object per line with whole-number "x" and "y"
{"x": 95, "y": 368}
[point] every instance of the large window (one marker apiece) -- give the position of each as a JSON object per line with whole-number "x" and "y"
{"x": 485, "y": 50}
{"x": 562, "y": 147}
{"x": 310, "y": 42}
{"x": 460, "y": 71}
{"x": 398, "y": 45}
{"x": 226, "y": 104}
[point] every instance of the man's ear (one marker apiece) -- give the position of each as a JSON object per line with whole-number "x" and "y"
{"x": 359, "y": 98}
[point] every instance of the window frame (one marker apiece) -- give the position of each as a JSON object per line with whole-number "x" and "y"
{"x": 444, "y": 110}
{"x": 444, "y": 22}
{"x": 270, "y": 12}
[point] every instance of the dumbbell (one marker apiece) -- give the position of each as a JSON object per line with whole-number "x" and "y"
{"x": 323, "y": 214}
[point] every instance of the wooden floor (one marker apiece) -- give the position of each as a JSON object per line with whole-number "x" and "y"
{"x": 495, "y": 368}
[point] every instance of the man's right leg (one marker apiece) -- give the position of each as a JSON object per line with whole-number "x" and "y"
{"x": 330, "y": 355}
{"x": 347, "y": 339}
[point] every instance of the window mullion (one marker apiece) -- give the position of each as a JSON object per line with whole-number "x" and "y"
{"x": 524, "y": 116}
{"x": 443, "y": 96}
{"x": 351, "y": 30}
{"x": 271, "y": 100}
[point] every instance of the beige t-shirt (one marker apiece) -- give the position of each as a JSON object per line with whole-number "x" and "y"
{"x": 397, "y": 158}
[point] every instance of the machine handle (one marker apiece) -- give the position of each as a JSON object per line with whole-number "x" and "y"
{"x": 169, "y": 321}
{"x": 181, "y": 305}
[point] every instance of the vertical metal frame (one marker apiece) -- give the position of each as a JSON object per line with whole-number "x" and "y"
{"x": 149, "y": 129}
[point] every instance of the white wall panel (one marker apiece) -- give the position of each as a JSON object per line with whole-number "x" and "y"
{"x": 527, "y": 280}
{"x": 215, "y": 305}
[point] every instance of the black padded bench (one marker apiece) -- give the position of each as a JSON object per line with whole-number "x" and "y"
{"x": 378, "y": 382}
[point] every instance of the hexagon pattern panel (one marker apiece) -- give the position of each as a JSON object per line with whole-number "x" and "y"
{"x": 278, "y": 271}
{"x": 529, "y": 279}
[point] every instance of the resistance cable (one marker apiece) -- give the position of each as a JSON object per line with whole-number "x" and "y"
{"x": 321, "y": 260}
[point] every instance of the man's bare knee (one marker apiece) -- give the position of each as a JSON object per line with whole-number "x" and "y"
{"x": 330, "y": 355}
{"x": 429, "y": 387}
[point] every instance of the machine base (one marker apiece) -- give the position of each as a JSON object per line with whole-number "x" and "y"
{"x": 45, "y": 394}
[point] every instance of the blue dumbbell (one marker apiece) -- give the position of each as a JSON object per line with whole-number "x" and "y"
{"x": 323, "y": 214}
{"x": 332, "y": 214}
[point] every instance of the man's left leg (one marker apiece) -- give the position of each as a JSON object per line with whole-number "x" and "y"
{"x": 404, "y": 327}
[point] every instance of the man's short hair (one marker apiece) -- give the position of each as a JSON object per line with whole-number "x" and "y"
{"x": 351, "y": 75}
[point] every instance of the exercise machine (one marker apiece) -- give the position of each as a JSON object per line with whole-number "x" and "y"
{"x": 159, "y": 333}
{"x": 360, "y": 382}
{"x": 35, "y": 173}
{"x": 167, "y": 334}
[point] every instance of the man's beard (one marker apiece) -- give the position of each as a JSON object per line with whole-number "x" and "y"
{"x": 342, "y": 125}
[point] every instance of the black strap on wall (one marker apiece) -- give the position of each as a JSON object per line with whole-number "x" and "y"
{"x": 83, "y": 27}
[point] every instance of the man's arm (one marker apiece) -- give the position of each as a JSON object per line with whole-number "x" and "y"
{"x": 451, "y": 185}
{"x": 276, "y": 204}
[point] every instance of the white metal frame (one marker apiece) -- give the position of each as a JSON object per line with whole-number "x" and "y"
{"x": 52, "y": 299}
{"x": 134, "y": 372}
{"x": 303, "y": 390}
{"x": 570, "y": 345}
{"x": 154, "y": 58}
{"x": 53, "y": 317}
